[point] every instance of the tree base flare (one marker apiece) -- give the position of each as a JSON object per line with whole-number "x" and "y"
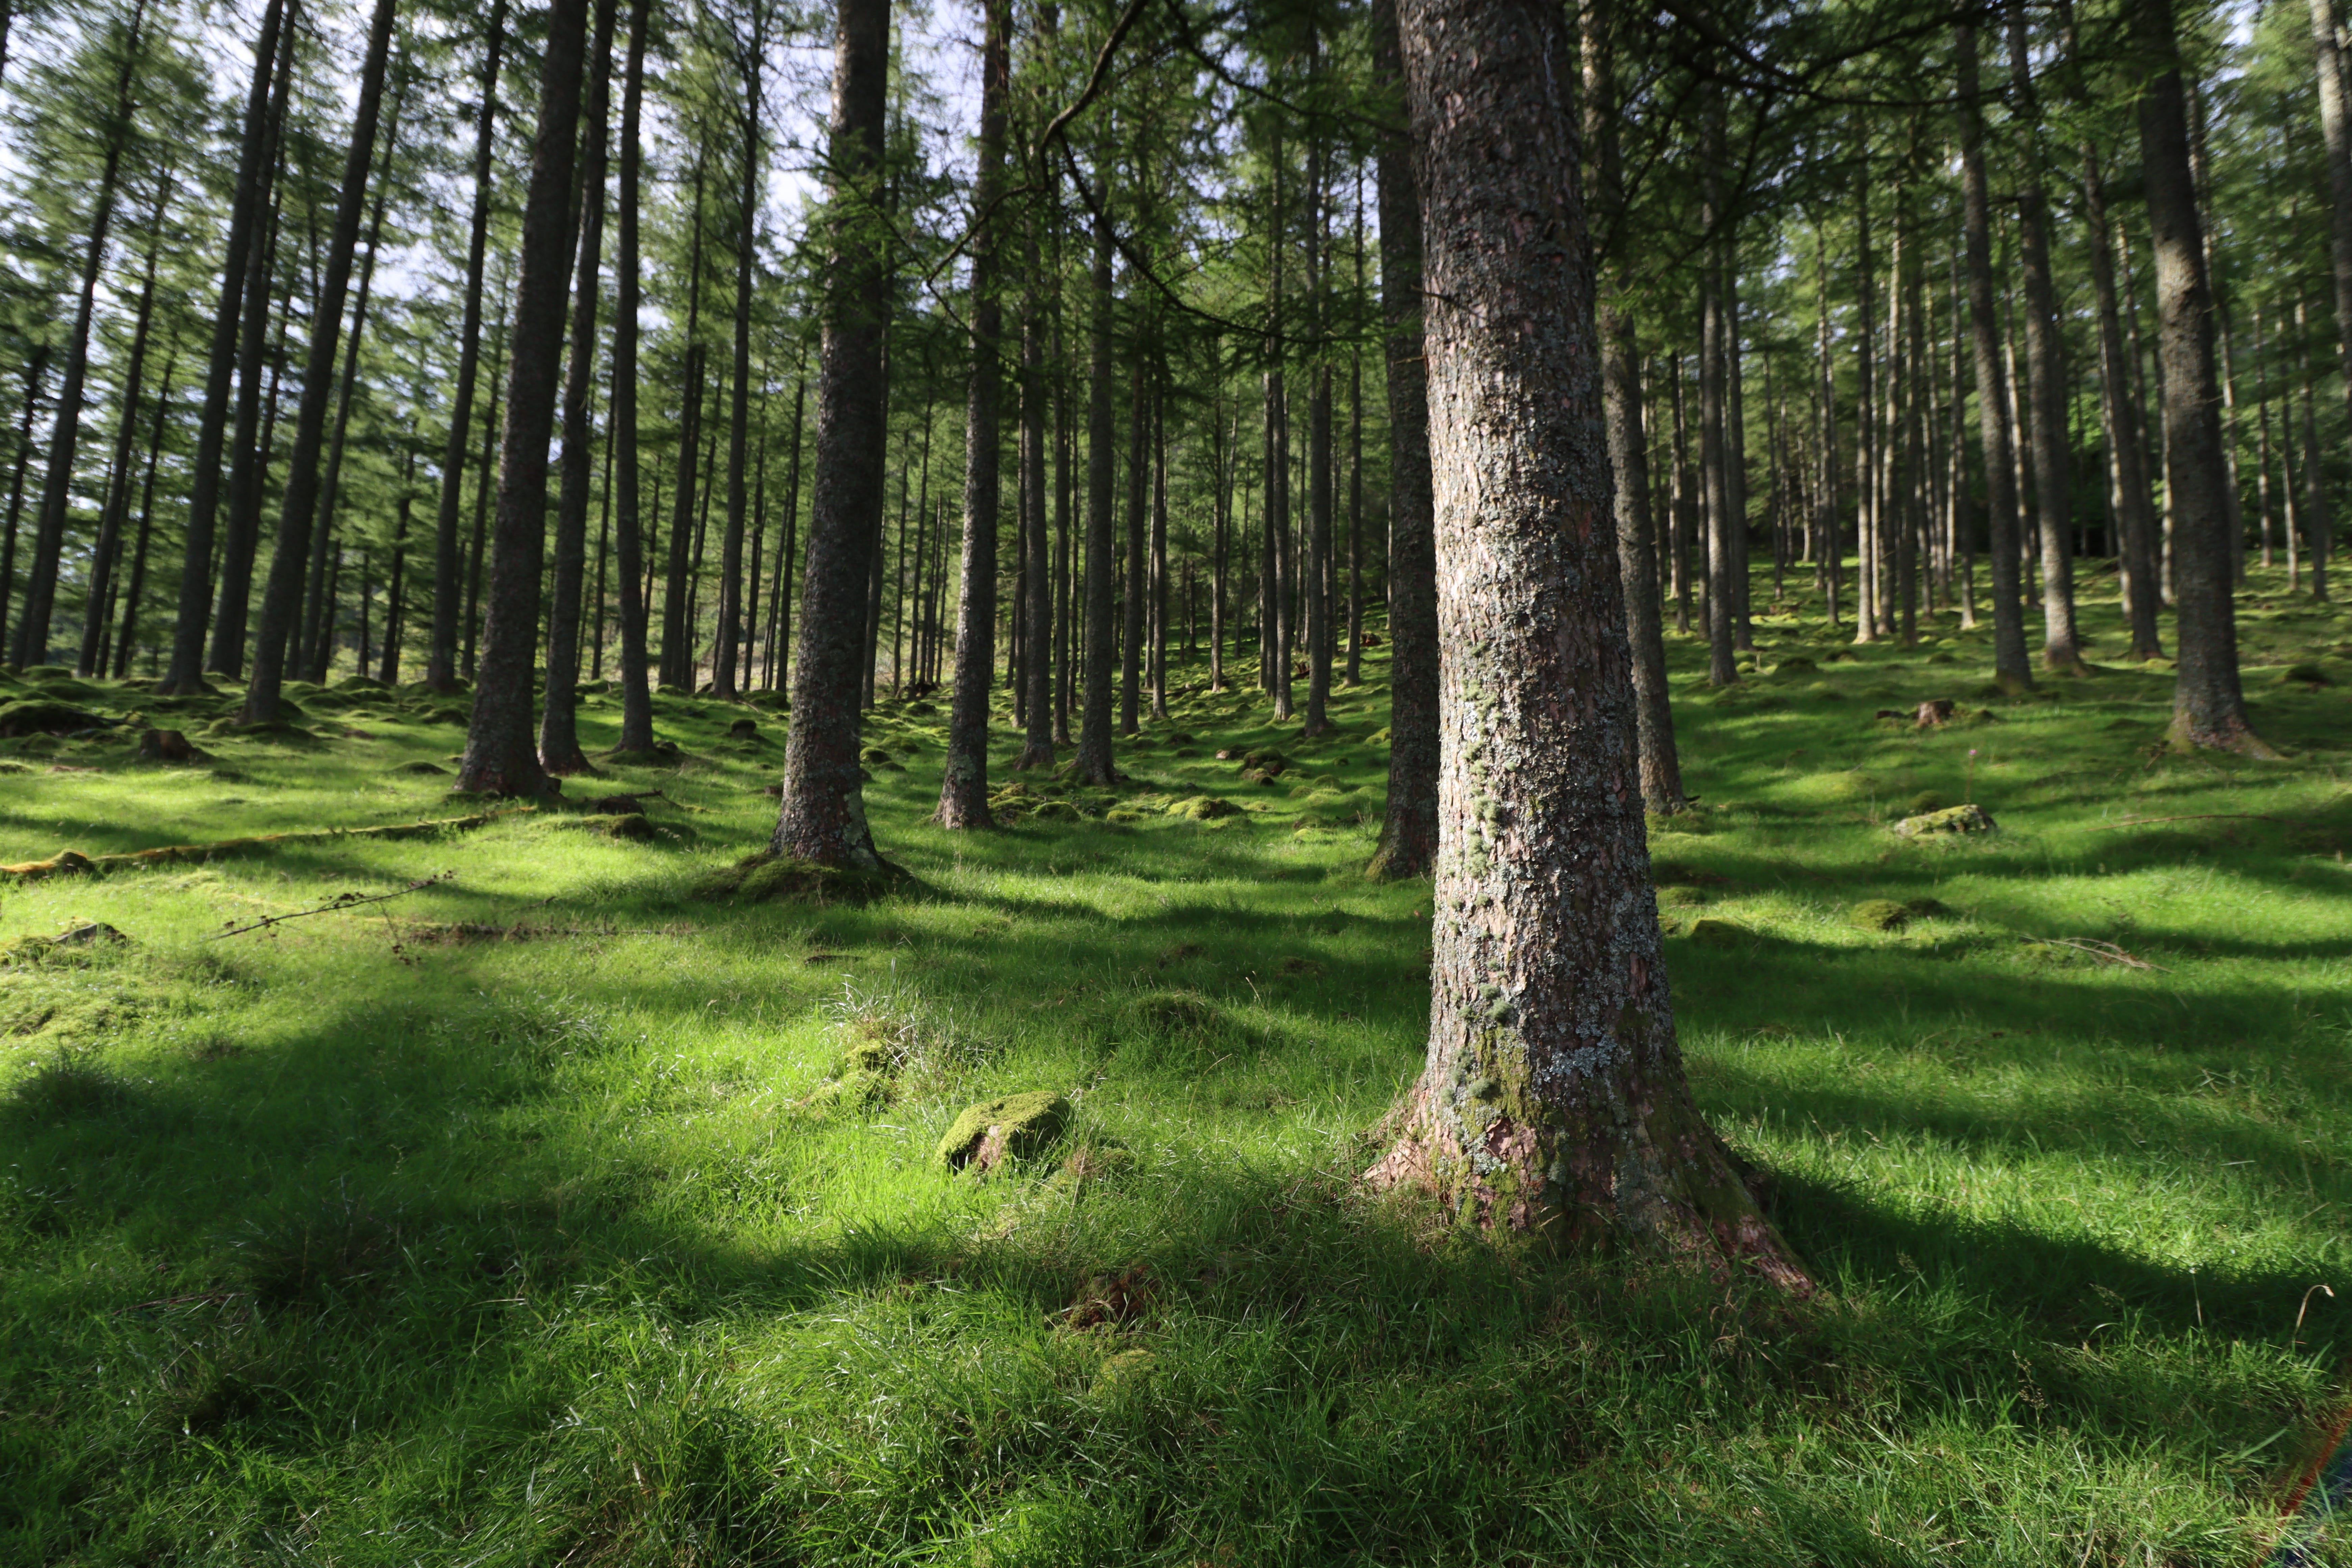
{"x": 1663, "y": 1186}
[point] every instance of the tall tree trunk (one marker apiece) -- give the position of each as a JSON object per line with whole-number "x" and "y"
{"x": 281, "y": 601}
{"x": 730, "y": 555}
{"x": 2044, "y": 370}
{"x": 318, "y": 619}
{"x": 65, "y": 430}
{"x": 484, "y": 484}
{"x": 823, "y": 816}
{"x": 500, "y": 758}
{"x": 636, "y": 700}
{"x": 1865, "y": 414}
{"x": 395, "y": 604}
{"x": 1628, "y": 458}
{"x": 103, "y": 556}
{"x": 1158, "y": 672}
{"x": 441, "y": 661}
{"x": 254, "y": 153}
{"x": 677, "y": 624}
{"x": 559, "y": 728}
{"x": 2208, "y": 707}
{"x": 1830, "y": 549}
{"x": 1553, "y": 1104}
{"x": 1313, "y": 590}
{"x": 1722, "y": 599}
{"x": 1407, "y": 843}
{"x": 963, "y": 788}
{"x": 2010, "y": 667}
{"x": 2317, "y": 519}
{"x": 2119, "y": 424}
{"x": 2336, "y": 124}
{"x": 135, "y": 596}
{"x": 35, "y": 372}
{"x": 1094, "y": 759}
{"x": 1354, "y": 673}
{"x": 1275, "y": 578}
{"x": 1041, "y": 653}
{"x": 780, "y": 635}
{"x": 1735, "y": 443}
{"x": 1138, "y": 492}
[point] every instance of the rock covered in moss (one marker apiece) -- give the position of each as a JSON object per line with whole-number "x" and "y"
{"x": 1010, "y": 1126}
{"x": 1879, "y": 915}
{"x": 1204, "y": 808}
{"x": 1968, "y": 819}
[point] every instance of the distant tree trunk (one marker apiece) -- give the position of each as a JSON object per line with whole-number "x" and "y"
{"x": 186, "y": 672}
{"x": 1094, "y": 760}
{"x": 441, "y": 661}
{"x": 1139, "y": 491}
{"x": 2045, "y": 372}
{"x": 1409, "y": 829}
{"x": 2208, "y": 707}
{"x": 2009, "y": 665}
{"x": 636, "y": 702}
{"x": 1722, "y": 599}
{"x": 1159, "y": 681}
{"x": 319, "y": 618}
{"x": 1621, "y": 390}
{"x": 500, "y": 758}
{"x": 964, "y": 787}
{"x": 780, "y": 635}
{"x": 108, "y": 548}
{"x": 1313, "y": 580}
{"x": 2316, "y": 516}
{"x": 485, "y": 486}
{"x": 1040, "y": 654}
{"x": 65, "y": 430}
{"x": 395, "y": 604}
{"x": 1354, "y": 673}
{"x": 36, "y": 367}
{"x": 1830, "y": 546}
{"x": 1277, "y": 579}
{"x": 2119, "y": 423}
{"x": 678, "y": 626}
{"x": 823, "y": 816}
{"x": 1735, "y": 443}
{"x": 1553, "y": 1104}
{"x": 1865, "y": 414}
{"x": 559, "y": 727}
{"x": 298, "y": 507}
{"x": 730, "y": 555}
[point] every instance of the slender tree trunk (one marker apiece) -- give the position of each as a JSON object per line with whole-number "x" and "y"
{"x": 485, "y": 487}
{"x": 441, "y": 662}
{"x": 2336, "y": 124}
{"x": 963, "y": 788}
{"x": 559, "y": 729}
{"x": 2316, "y": 516}
{"x": 1354, "y": 673}
{"x": 2208, "y": 707}
{"x": 2009, "y": 665}
{"x": 1866, "y": 519}
{"x": 134, "y": 596}
{"x": 1158, "y": 673}
{"x": 395, "y": 602}
{"x": 1553, "y": 1104}
{"x": 281, "y": 600}
{"x": 1039, "y": 654}
{"x": 636, "y": 737}
{"x": 1620, "y": 389}
{"x": 65, "y": 430}
{"x": 730, "y": 555}
{"x": 1138, "y": 490}
{"x": 1722, "y": 600}
{"x": 108, "y": 548}
{"x": 2119, "y": 424}
{"x": 500, "y": 758}
{"x": 1829, "y": 551}
{"x": 779, "y": 638}
{"x": 1317, "y": 608}
{"x": 1407, "y": 843}
{"x": 823, "y": 815}
{"x": 1094, "y": 765}
{"x": 319, "y": 620}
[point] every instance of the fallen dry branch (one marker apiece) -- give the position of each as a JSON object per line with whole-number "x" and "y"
{"x": 523, "y": 930}
{"x": 71, "y": 861}
{"x": 339, "y": 902}
{"x": 2106, "y": 952}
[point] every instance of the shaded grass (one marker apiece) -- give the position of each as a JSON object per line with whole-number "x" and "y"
{"x": 323, "y": 1242}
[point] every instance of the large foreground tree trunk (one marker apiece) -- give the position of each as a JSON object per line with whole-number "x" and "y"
{"x": 448, "y": 555}
{"x": 963, "y": 790}
{"x": 1409, "y": 829}
{"x": 1554, "y": 1103}
{"x": 501, "y": 756}
{"x": 823, "y": 818}
{"x": 559, "y": 726}
{"x": 2208, "y": 708}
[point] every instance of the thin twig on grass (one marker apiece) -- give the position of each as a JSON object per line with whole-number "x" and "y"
{"x": 339, "y": 902}
{"x": 2106, "y": 951}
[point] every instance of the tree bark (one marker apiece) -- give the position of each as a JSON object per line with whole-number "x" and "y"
{"x": 636, "y": 700}
{"x": 441, "y": 661}
{"x": 963, "y": 788}
{"x": 1407, "y": 843}
{"x": 1629, "y": 457}
{"x": 1553, "y": 1104}
{"x": 2208, "y": 707}
{"x": 2010, "y": 667}
{"x": 559, "y": 729}
{"x": 186, "y": 672}
{"x": 1042, "y": 653}
{"x": 298, "y": 507}
{"x": 1094, "y": 765}
{"x": 500, "y": 758}
{"x": 823, "y": 816}
{"x": 65, "y": 429}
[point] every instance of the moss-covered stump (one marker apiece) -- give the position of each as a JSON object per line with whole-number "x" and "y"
{"x": 1204, "y": 808}
{"x": 1013, "y": 1126}
{"x": 1970, "y": 819}
{"x": 766, "y": 876}
{"x": 1879, "y": 915}
{"x": 168, "y": 746}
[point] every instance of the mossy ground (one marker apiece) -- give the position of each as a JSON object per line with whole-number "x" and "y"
{"x": 371, "y": 1240}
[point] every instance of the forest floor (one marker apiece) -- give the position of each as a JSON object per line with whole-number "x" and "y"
{"x": 532, "y": 1217}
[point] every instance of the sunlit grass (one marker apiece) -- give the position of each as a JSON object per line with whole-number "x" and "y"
{"x": 350, "y": 1239}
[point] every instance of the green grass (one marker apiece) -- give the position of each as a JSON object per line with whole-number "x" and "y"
{"x": 365, "y": 1240}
